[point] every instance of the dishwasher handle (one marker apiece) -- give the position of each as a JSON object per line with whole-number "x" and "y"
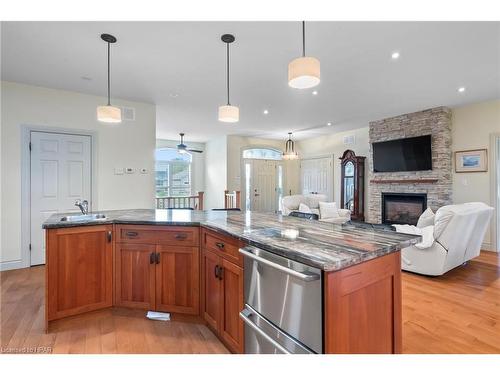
{"x": 304, "y": 276}
{"x": 244, "y": 315}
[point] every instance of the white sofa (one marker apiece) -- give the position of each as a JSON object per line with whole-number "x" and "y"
{"x": 458, "y": 234}
{"x": 291, "y": 203}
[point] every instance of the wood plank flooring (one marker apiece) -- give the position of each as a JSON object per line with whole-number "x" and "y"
{"x": 116, "y": 330}
{"x": 455, "y": 313}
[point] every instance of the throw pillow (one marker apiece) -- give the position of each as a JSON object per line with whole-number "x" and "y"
{"x": 426, "y": 219}
{"x": 328, "y": 210}
{"x": 304, "y": 208}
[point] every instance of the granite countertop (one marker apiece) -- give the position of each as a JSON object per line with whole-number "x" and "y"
{"x": 330, "y": 247}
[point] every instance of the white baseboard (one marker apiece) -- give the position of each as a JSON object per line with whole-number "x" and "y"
{"x": 488, "y": 247}
{"x": 12, "y": 265}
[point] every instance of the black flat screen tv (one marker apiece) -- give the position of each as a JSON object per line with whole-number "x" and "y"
{"x": 406, "y": 154}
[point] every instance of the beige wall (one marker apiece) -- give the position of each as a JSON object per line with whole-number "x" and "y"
{"x": 471, "y": 129}
{"x": 215, "y": 172}
{"x": 129, "y": 144}
{"x": 333, "y": 144}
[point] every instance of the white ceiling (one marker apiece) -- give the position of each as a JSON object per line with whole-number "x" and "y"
{"x": 155, "y": 61}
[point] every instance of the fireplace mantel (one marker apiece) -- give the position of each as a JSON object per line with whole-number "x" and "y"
{"x": 406, "y": 181}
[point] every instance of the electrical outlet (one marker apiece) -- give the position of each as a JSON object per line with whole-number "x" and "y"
{"x": 129, "y": 170}
{"x": 144, "y": 170}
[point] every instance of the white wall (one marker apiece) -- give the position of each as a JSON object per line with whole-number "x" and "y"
{"x": 197, "y": 164}
{"x": 333, "y": 144}
{"x": 235, "y": 146}
{"x": 471, "y": 129}
{"x": 216, "y": 158}
{"x": 129, "y": 144}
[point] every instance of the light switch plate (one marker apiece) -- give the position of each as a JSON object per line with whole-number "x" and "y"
{"x": 129, "y": 170}
{"x": 119, "y": 171}
{"x": 144, "y": 170}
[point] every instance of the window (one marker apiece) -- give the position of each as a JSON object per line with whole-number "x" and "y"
{"x": 173, "y": 173}
{"x": 262, "y": 153}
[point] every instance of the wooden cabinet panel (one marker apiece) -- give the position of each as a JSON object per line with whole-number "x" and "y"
{"x": 79, "y": 270}
{"x": 177, "y": 279}
{"x": 363, "y": 307}
{"x": 135, "y": 275}
{"x": 225, "y": 246}
{"x": 232, "y": 327}
{"x": 166, "y": 235}
{"x": 212, "y": 292}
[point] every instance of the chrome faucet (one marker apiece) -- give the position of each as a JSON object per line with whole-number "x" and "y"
{"x": 83, "y": 205}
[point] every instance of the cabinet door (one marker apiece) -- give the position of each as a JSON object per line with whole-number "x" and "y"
{"x": 79, "y": 270}
{"x": 177, "y": 279}
{"x": 231, "y": 329}
{"x": 135, "y": 275}
{"x": 211, "y": 289}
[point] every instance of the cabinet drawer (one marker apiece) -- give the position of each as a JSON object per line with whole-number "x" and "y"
{"x": 164, "y": 235}
{"x": 225, "y": 246}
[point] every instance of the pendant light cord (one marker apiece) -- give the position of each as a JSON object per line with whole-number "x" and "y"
{"x": 109, "y": 89}
{"x": 303, "y": 38}
{"x": 227, "y": 45}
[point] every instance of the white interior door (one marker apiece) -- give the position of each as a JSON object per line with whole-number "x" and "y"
{"x": 263, "y": 186}
{"x": 316, "y": 176}
{"x": 60, "y": 173}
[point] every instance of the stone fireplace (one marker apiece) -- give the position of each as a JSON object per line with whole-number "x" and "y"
{"x": 435, "y": 184}
{"x": 403, "y": 208}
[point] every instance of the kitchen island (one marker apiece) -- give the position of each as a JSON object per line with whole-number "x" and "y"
{"x": 191, "y": 263}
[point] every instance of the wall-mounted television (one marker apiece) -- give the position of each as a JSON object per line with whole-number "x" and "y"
{"x": 406, "y": 154}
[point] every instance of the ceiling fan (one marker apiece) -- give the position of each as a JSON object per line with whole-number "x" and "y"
{"x": 182, "y": 148}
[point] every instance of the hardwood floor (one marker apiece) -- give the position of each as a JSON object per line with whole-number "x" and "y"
{"x": 455, "y": 313}
{"x": 115, "y": 330}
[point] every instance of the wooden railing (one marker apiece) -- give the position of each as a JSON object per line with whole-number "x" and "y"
{"x": 231, "y": 199}
{"x": 194, "y": 201}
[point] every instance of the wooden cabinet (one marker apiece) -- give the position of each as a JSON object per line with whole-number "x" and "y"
{"x": 222, "y": 289}
{"x": 157, "y": 268}
{"x": 79, "y": 270}
{"x": 177, "y": 279}
{"x": 135, "y": 275}
{"x": 363, "y": 308}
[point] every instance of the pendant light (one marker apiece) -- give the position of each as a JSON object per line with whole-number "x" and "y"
{"x": 290, "y": 153}
{"x": 108, "y": 113}
{"x": 304, "y": 72}
{"x": 228, "y": 112}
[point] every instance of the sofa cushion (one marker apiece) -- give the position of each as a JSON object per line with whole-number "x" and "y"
{"x": 426, "y": 219}
{"x": 441, "y": 220}
{"x": 328, "y": 210}
{"x": 312, "y": 200}
{"x": 304, "y": 208}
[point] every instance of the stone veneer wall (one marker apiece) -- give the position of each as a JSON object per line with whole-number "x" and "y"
{"x": 435, "y": 121}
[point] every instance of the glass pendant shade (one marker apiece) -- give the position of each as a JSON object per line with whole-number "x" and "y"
{"x": 290, "y": 153}
{"x": 304, "y": 72}
{"x": 229, "y": 113}
{"x": 108, "y": 113}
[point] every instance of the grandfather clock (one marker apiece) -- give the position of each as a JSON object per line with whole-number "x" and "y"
{"x": 352, "y": 193}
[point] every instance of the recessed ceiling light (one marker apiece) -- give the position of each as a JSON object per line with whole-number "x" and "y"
{"x": 86, "y": 78}
{"x": 395, "y": 55}
{"x": 266, "y": 111}
{"x": 174, "y": 95}
{"x": 315, "y": 92}
{"x": 328, "y": 124}
{"x": 461, "y": 89}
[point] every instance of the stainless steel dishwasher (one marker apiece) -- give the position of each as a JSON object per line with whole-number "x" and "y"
{"x": 283, "y": 304}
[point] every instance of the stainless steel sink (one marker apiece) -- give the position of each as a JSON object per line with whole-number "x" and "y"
{"x": 90, "y": 217}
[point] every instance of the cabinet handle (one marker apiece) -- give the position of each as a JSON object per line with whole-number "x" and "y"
{"x": 157, "y": 258}
{"x": 220, "y": 245}
{"x": 221, "y": 272}
{"x": 151, "y": 258}
{"x": 110, "y": 236}
{"x": 216, "y": 271}
{"x": 132, "y": 234}
{"x": 180, "y": 236}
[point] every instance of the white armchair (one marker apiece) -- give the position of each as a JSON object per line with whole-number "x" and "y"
{"x": 458, "y": 234}
{"x": 292, "y": 202}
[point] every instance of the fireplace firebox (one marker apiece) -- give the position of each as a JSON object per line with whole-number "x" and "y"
{"x": 403, "y": 208}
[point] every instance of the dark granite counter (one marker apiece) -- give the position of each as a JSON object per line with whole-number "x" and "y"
{"x": 327, "y": 246}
